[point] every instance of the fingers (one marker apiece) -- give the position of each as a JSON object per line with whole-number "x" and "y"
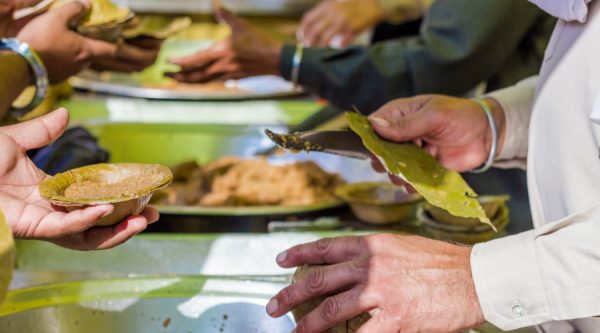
{"x": 40, "y": 131}
{"x": 59, "y": 224}
{"x": 71, "y": 12}
{"x": 202, "y": 58}
{"x": 151, "y": 214}
{"x": 314, "y": 282}
{"x": 309, "y": 20}
{"x": 323, "y": 251}
{"x": 404, "y": 119}
{"x": 100, "y": 49}
{"x": 376, "y": 164}
{"x": 102, "y": 238}
{"x": 334, "y": 310}
{"x": 233, "y": 21}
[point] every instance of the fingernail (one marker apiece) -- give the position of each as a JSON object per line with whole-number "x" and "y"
{"x": 106, "y": 213}
{"x": 380, "y": 121}
{"x": 272, "y": 306}
{"x": 281, "y": 257}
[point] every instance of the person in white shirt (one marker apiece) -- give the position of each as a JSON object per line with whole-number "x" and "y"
{"x": 546, "y": 277}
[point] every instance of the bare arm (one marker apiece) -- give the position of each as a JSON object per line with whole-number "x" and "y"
{"x": 14, "y": 77}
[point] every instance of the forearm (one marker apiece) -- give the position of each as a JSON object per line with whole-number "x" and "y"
{"x": 15, "y": 75}
{"x": 462, "y": 45}
{"x": 517, "y": 105}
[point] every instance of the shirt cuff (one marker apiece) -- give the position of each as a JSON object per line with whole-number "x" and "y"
{"x": 508, "y": 282}
{"x": 517, "y": 103}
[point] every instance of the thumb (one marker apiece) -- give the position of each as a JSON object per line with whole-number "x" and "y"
{"x": 407, "y": 128}
{"x": 233, "y": 21}
{"x": 40, "y": 131}
{"x": 72, "y": 12}
{"x": 101, "y": 49}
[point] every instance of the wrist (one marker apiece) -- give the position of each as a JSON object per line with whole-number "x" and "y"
{"x": 500, "y": 119}
{"x": 477, "y": 318}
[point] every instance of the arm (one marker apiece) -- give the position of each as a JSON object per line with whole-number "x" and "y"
{"x": 517, "y": 104}
{"x": 14, "y": 77}
{"x": 546, "y": 274}
{"x": 463, "y": 43}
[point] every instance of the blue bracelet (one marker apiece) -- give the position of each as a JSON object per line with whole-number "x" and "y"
{"x": 490, "y": 116}
{"x": 37, "y": 67}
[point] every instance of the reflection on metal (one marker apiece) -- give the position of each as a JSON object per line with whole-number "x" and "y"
{"x": 146, "y": 304}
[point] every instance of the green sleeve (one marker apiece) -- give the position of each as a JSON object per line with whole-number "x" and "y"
{"x": 462, "y": 43}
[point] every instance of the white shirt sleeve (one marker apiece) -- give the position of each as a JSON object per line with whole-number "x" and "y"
{"x": 517, "y": 103}
{"x": 543, "y": 275}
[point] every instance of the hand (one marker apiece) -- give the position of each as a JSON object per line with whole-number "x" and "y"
{"x": 8, "y": 26}
{"x": 336, "y": 23}
{"x": 406, "y": 284}
{"x": 63, "y": 51}
{"x": 33, "y": 217}
{"x": 132, "y": 55}
{"x": 455, "y": 131}
{"x": 247, "y": 52}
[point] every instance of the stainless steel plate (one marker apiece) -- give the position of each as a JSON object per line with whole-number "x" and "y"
{"x": 152, "y": 84}
{"x": 145, "y": 304}
{"x": 247, "y": 211}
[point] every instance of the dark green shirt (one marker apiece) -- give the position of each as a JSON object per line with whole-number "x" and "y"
{"x": 462, "y": 43}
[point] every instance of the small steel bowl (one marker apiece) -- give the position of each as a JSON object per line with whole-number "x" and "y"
{"x": 468, "y": 234}
{"x": 379, "y": 203}
{"x": 491, "y": 204}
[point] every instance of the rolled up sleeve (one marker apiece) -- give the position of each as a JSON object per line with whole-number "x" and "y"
{"x": 517, "y": 103}
{"x": 543, "y": 275}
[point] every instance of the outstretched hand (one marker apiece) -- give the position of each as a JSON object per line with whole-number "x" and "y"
{"x": 33, "y": 217}
{"x": 336, "y": 23}
{"x": 247, "y": 52}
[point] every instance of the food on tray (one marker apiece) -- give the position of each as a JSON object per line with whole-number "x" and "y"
{"x": 7, "y": 256}
{"x": 159, "y": 27}
{"x": 349, "y": 326}
{"x": 233, "y": 181}
{"x": 128, "y": 186}
{"x": 440, "y": 187}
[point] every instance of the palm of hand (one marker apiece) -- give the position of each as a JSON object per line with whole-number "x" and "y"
{"x": 30, "y": 215}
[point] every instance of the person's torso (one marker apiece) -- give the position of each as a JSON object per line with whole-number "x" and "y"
{"x": 564, "y": 161}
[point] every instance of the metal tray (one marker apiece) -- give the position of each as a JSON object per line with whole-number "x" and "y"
{"x": 247, "y": 211}
{"x": 152, "y": 84}
{"x": 146, "y": 304}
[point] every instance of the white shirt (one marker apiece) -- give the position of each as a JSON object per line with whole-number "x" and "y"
{"x": 552, "y": 274}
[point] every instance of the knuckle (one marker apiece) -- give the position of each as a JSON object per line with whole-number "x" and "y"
{"x": 285, "y": 296}
{"x": 315, "y": 280}
{"x": 330, "y": 309}
{"x": 323, "y": 244}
